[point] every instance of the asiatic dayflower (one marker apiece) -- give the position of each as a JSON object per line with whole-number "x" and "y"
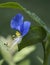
{"x": 22, "y": 27}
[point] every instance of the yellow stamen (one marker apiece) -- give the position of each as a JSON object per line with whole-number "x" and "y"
{"x": 18, "y": 33}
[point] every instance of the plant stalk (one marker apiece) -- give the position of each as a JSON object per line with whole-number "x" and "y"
{"x": 45, "y": 61}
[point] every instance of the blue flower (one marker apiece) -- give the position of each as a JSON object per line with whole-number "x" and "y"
{"x": 17, "y": 23}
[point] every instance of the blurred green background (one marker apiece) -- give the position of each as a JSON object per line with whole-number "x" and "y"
{"x": 42, "y": 9}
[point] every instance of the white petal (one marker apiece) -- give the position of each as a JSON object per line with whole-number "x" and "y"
{"x": 16, "y": 41}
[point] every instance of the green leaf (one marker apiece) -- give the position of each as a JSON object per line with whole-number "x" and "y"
{"x": 6, "y": 54}
{"x": 36, "y": 34}
{"x": 23, "y": 53}
{"x": 11, "y": 5}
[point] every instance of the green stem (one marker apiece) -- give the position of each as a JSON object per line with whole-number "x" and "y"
{"x": 45, "y": 61}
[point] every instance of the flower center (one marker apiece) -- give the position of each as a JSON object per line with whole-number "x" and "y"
{"x": 18, "y": 34}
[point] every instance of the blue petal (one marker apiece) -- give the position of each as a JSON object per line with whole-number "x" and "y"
{"x": 17, "y": 21}
{"x": 26, "y": 27}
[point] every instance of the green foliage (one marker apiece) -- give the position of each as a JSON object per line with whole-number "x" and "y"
{"x": 11, "y": 5}
{"x": 37, "y": 34}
